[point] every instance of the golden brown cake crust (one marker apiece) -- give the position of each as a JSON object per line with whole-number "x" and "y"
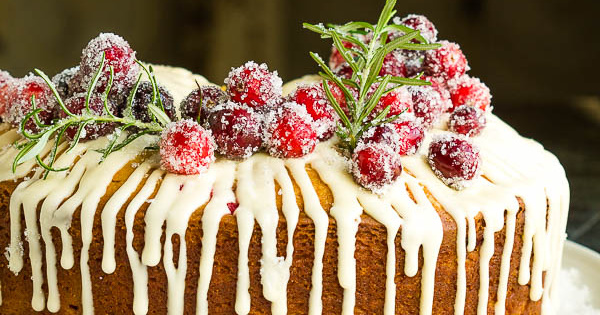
{"x": 113, "y": 293}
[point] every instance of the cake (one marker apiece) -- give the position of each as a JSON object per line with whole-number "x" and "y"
{"x": 263, "y": 230}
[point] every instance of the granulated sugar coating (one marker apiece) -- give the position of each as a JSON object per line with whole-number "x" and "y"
{"x": 466, "y": 90}
{"x": 410, "y": 135}
{"x": 421, "y": 24}
{"x": 399, "y": 100}
{"x": 291, "y": 131}
{"x": 118, "y": 54}
{"x": 454, "y": 160}
{"x": 19, "y": 102}
{"x": 313, "y": 98}
{"x": 6, "y": 82}
{"x": 143, "y": 97}
{"x": 62, "y": 80}
{"x": 447, "y": 61}
{"x": 254, "y": 85}
{"x": 385, "y": 133}
{"x": 575, "y": 296}
{"x": 394, "y": 64}
{"x": 237, "y": 130}
{"x": 201, "y": 101}
{"x": 186, "y": 148}
{"x": 375, "y": 165}
{"x": 467, "y": 120}
{"x": 429, "y": 104}
{"x": 76, "y": 105}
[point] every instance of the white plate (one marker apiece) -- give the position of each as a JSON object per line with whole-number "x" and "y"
{"x": 587, "y": 264}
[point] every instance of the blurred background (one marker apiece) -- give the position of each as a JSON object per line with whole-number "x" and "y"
{"x": 540, "y": 58}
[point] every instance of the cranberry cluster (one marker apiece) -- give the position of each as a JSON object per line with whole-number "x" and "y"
{"x": 375, "y": 162}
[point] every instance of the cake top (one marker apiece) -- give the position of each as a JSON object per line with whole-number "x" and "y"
{"x": 385, "y": 86}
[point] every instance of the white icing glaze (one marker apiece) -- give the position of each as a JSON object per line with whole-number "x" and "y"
{"x": 513, "y": 167}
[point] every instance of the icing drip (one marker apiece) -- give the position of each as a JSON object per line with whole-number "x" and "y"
{"x": 513, "y": 169}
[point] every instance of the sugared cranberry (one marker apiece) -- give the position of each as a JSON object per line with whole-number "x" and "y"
{"x": 254, "y": 85}
{"x": 399, "y": 100}
{"x": 290, "y": 131}
{"x": 62, "y": 80}
{"x": 237, "y": 130}
{"x": 186, "y": 148}
{"x": 19, "y": 102}
{"x": 467, "y": 120}
{"x": 375, "y": 165}
{"x": 454, "y": 160}
{"x": 394, "y": 65}
{"x": 119, "y": 55}
{"x": 385, "y": 133}
{"x": 313, "y": 98}
{"x": 143, "y": 97}
{"x": 421, "y": 24}
{"x": 467, "y": 90}
{"x": 410, "y": 136}
{"x": 76, "y": 105}
{"x": 200, "y": 101}
{"x": 6, "y": 83}
{"x": 447, "y": 61}
{"x": 413, "y": 61}
{"x": 428, "y": 104}
{"x": 344, "y": 71}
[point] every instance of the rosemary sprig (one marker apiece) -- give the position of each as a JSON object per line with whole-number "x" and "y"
{"x": 33, "y": 142}
{"x": 366, "y": 61}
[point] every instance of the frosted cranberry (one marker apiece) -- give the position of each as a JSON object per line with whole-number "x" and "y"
{"x": 467, "y": 120}
{"x": 254, "y": 85}
{"x": 410, "y": 136}
{"x": 423, "y": 25}
{"x": 394, "y": 65}
{"x": 143, "y": 97}
{"x": 237, "y": 130}
{"x": 335, "y": 59}
{"x": 454, "y": 159}
{"x": 19, "y": 102}
{"x": 62, "y": 81}
{"x": 385, "y": 133}
{"x": 413, "y": 61}
{"x": 186, "y": 148}
{"x": 200, "y": 101}
{"x": 119, "y": 55}
{"x": 76, "y": 105}
{"x": 313, "y": 98}
{"x": 375, "y": 165}
{"x": 466, "y": 90}
{"x": 339, "y": 96}
{"x": 447, "y": 61}
{"x": 290, "y": 131}
{"x": 6, "y": 84}
{"x": 344, "y": 71}
{"x": 399, "y": 100}
{"x": 428, "y": 104}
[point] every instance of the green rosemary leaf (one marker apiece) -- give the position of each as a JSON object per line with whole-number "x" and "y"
{"x": 352, "y": 26}
{"x": 318, "y": 28}
{"x": 335, "y": 105}
{"x": 156, "y": 91}
{"x": 383, "y": 85}
{"x": 77, "y": 137}
{"x": 33, "y": 150}
{"x": 411, "y": 46}
{"x": 405, "y": 29}
{"x": 26, "y": 148}
{"x": 93, "y": 83}
{"x": 381, "y": 116}
{"x": 390, "y": 119}
{"x": 128, "y": 112}
{"x": 111, "y": 144}
{"x": 386, "y": 15}
{"x": 344, "y": 52}
{"x": 396, "y": 43}
{"x": 48, "y": 168}
{"x": 54, "y": 91}
{"x": 408, "y": 81}
{"x": 160, "y": 115}
{"x": 24, "y": 122}
{"x": 107, "y": 92}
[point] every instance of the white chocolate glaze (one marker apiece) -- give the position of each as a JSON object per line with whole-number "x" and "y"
{"x": 514, "y": 169}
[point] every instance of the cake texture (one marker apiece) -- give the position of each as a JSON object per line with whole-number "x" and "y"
{"x": 124, "y": 236}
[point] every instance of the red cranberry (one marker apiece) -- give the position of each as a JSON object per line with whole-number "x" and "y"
{"x": 200, "y": 101}
{"x": 313, "y": 98}
{"x": 237, "y": 130}
{"x": 399, "y": 100}
{"x": 6, "y": 83}
{"x": 62, "y": 80}
{"x": 232, "y": 206}
{"x": 466, "y": 90}
{"x": 143, "y": 97}
{"x": 447, "y": 61}
{"x": 254, "y": 85}
{"x": 385, "y": 133}
{"x": 410, "y": 136}
{"x": 76, "y": 105}
{"x": 394, "y": 65}
{"x": 344, "y": 71}
{"x": 340, "y": 97}
{"x": 375, "y": 165}
{"x": 428, "y": 104}
{"x": 186, "y": 148}
{"x": 421, "y": 24}
{"x": 19, "y": 102}
{"x": 290, "y": 132}
{"x": 119, "y": 55}
{"x": 454, "y": 160}
{"x": 467, "y": 120}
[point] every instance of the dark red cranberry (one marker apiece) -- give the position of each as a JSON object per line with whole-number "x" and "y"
{"x": 428, "y": 104}
{"x": 399, "y": 100}
{"x": 466, "y": 90}
{"x": 143, "y": 97}
{"x": 454, "y": 159}
{"x": 254, "y": 85}
{"x": 313, "y": 98}
{"x": 290, "y": 131}
{"x": 232, "y": 206}
{"x": 423, "y": 25}
{"x": 375, "y": 165}
{"x": 394, "y": 65}
{"x": 200, "y": 101}
{"x": 237, "y": 130}
{"x": 19, "y": 102}
{"x": 119, "y": 55}
{"x": 62, "y": 80}
{"x": 447, "y": 61}
{"x": 6, "y": 84}
{"x": 186, "y": 148}
{"x": 344, "y": 71}
{"x": 410, "y": 136}
{"x": 467, "y": 120}
{"x": 385, "y": 133}
{"x": 76, "y": 105}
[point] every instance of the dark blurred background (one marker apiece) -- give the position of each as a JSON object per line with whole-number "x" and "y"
{"x": 541, "y": 58}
